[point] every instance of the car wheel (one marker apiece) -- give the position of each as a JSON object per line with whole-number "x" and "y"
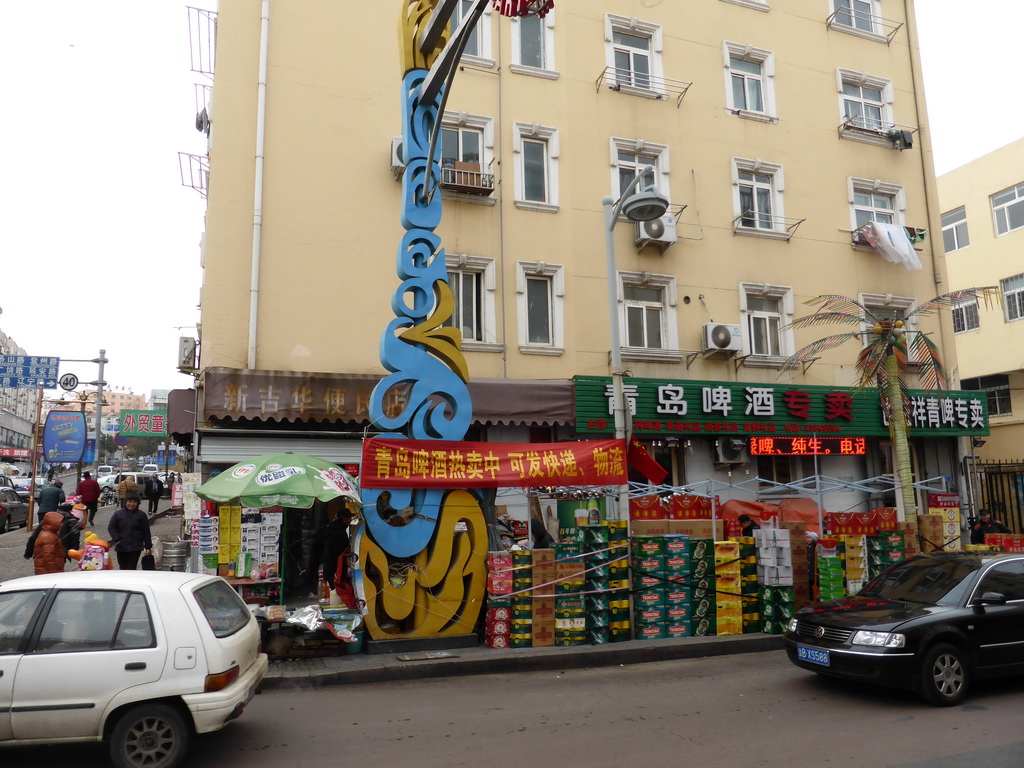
{"x": 6, "y": 525}
{"x": 945, "y": 676}
{"x": 152, "y": 735}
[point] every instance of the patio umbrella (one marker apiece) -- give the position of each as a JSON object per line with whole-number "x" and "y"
{"x": 280, "y": 479}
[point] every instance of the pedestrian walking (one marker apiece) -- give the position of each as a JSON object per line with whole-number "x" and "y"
{"x": 89, "y": 492}
{"x": 51, "y": 497}
{"x": 129, "y": 533}
{"x": 154, "y": 490}
{"x": 125, "y": 485}
{"x": 44, "y": 545}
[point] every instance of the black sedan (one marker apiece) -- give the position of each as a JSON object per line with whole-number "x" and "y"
{"x": 932, "y": 623}
{"x": 13, "y": 510}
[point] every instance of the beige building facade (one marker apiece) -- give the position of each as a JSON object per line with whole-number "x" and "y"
{"x": 777, "y": 130}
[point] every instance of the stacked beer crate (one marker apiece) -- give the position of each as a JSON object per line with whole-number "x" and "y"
{"x": 855, "y": 561}
{"x": 729, "y": 602}
{"x": 885, "y": 549}
{"x": 570, "y": 610}
{"x": 647, "y": 559}
{"x": 498, "y": 616}
{"x": 522, "y": 599}
{"x": 703, "y": 599}
{"x": 831, "y": 577}
{"x": 748, "y": 583}
{"x": 777, "y": 606}
{"x": 619, "y": 626}
{"x": 596, "y": 554}
{"x": 542, "y": 600}
{"x": 678, "y": 600}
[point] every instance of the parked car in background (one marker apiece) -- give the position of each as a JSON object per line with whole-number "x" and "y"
{"x": 104, "y": 469}
{"x": 23, "y": 486}
{"x": 141, "y": 660}
{"x": 933, "y": 623}
{"x": 13, "y": 510}
{"x": 150, "y": 469}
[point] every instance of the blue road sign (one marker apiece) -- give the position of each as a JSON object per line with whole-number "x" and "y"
{"x": 23, "y": 371}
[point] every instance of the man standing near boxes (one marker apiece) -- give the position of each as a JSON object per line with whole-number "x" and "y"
{"x": 986, "y": 525}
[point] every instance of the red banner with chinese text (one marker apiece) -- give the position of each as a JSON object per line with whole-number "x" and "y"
{"x": 398, "y": 463}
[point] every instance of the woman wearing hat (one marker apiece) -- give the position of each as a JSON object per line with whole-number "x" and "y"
{"x": 129, "y": 533}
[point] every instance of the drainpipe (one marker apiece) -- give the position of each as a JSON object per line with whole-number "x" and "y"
{"x": 257, "y": 205}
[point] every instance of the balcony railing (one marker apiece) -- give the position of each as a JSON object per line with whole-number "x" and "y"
{"x": 202, "y": 39}
{"x": 466, "y": 177}
{"x": 195, "y": 172}
{"x": 865, "y": 24}
{"x": 765, "y": 225}
{"x": 641, "y": 84}
{"x": 877, "y": 131}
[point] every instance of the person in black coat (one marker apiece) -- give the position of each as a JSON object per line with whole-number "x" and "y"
{"x": 986, "y": 524}
{"x": 541, "y": 538}
{"x": 129, "y": 533}
{"x": 335, "y": 543}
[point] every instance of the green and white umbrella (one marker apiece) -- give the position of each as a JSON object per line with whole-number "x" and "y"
{"x": 280, "y": 479}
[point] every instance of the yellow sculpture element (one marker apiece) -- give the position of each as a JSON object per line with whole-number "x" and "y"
{"x": 414, "y": 19}
{"x": 443, "y": 342}
{"x": 443, "y": 592}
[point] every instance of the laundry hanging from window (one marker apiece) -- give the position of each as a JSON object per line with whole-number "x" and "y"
{"x": 892, "y": 242}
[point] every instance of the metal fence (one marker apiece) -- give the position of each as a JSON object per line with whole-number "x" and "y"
{"x": 1001, "y": 484}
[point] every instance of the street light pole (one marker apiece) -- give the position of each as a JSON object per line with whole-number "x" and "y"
{"x": 644, "y": 205}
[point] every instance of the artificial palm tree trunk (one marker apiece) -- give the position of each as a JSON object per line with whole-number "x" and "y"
{"x": 900, "y": 445}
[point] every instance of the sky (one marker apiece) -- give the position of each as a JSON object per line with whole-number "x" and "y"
{"x": 99, "y": 239}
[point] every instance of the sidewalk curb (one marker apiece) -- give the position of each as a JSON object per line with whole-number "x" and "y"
{"x": 363, "y": 668}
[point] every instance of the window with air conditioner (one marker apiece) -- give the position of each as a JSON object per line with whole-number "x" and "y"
{"x": 467, "y": 156}
{"x": 536, "y": 167}
{"x": 540, "y": 300}
{"x": 647, "y": 319}
{"x": 633, "y": 56}
{"x": 533, "y": 46}
{"x": 1008, "y": 209}
{"x": 750, "y": 77}
{"x": 954, "y": 230}
{"x": 629, "y": 158}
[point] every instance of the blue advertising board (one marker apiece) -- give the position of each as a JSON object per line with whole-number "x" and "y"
{"x": 89, "y": 457}
{"x": 21, "y": 371}
{"x": 64, "y": 436}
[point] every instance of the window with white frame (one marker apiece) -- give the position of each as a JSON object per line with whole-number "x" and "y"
{"x": 633, "y": 55}
{"x": 479, "y": 45}
{"x": 536, "y": 165}
{"x": 766, "y": 310}
{"x": 648, "y": 316}
{"x": 757, "y": 5}
{"x": 865, "y": 101}
{"x": 857, "y": 14}
{"x": 1013, "y": 297}
{"x": 875, "y": 200}
{"x": 631, "y": 156}
{"x": 533, "y": 45}
{"x": 540, "y": 294}
{"x": 965, "y": 315}
{"x": 887, "y": 307}
{"x": 757, "y": 197}
{"x": 467, "y": 156}
{"x": 1008, "y": 209}
{"x": 472, "y": 280}
{"x": 997, "y": 391}
{"x": 954, "y": 230}
{"x": 749, "y": 76}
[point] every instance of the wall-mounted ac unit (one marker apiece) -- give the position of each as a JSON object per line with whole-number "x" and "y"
{"x": 187, "y": 354}
{"x": 397, "y": 157}
{"x": 719, "y": 337}
{"x": 730, "y": 450}
{"x": 660, "y": 232}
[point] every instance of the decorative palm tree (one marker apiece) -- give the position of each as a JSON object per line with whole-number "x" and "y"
{"x": 890, "y": 346}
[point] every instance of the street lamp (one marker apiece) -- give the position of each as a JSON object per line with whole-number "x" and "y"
{"x": 641, "y": 204}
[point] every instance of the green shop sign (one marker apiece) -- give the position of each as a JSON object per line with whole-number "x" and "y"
{"x": 660, "y": 406}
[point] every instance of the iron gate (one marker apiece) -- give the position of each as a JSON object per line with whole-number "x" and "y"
{"x": 1002, "y": 491}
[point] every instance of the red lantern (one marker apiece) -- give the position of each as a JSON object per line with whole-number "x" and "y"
{"x": 523, "y": 7}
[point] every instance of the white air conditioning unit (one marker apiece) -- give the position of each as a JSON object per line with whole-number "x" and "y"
{"x": 730, "y": 450}
{"x": 187, "y": 354}
{"x": 397, "y": 157}
{"x": 718, "y": 337}
{"x": 660, "y": 232}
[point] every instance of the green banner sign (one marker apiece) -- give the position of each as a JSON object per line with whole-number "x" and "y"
{"x": 143, "y": 424}
{"x": 660, "y": 406}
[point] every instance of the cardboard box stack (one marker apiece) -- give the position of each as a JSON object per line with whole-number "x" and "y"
{"x": 777, "y": 607}
{"x": 542, "y": 602}
{"x": 933, "y": 532}
{"x": 831, "y": 577}
{"x": 703, "y": 598}
{"x": 855, "y": 561}
{"x": 596, "y": 556}
{"x": 678, "y": 594}
{"x": 498, "y": 617}
{"x": 885, "y": 549}
{"x": 1005, "y": 542}
{"x": 206, "y": 541}
{"x": 570, "y": 611}
{"x": 729, "y": 602}
{"x": 749, "y": 583}
{"x": 647, "y": 559}
{"x": 800, "y": 569}
{"x": 522, "y": 599}
{"x": 619, "y": 626}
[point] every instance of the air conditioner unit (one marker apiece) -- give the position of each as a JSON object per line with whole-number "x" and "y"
{"x": 187, "y": 354}
{"x": 730, "y": 450}
{"x": 718, "y": 337}
{"x": 660, "y": 232}
{"x": 397, "y": 157}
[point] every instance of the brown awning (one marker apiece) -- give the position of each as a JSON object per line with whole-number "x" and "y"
{"x": 181, "y": 411}
{"x": 232, "y": 393}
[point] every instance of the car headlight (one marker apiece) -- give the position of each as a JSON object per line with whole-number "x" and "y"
{"x": 791, "y": 627}
{"x": 879, "y": 639}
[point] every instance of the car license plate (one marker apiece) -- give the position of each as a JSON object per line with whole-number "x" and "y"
{"x": 813, "y": 655}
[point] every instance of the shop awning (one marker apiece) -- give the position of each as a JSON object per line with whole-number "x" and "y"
{"x": 235, "y": 445}
{"x": 181, "y": 411}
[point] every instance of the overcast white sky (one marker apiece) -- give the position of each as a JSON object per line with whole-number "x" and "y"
{"x": 99, "y": 240}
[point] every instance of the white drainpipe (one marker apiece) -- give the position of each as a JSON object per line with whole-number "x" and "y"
{"x": 257, "y": 206}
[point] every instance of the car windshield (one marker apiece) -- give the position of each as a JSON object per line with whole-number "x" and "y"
{"x": 222, "y": 607}
{"x": 933, "y": 582}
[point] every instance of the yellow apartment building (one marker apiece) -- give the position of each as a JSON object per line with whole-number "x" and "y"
{"x": 777, "y": 129}
{"x": 982, "y": 221}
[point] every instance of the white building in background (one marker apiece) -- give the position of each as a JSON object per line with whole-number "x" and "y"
{"x": 17, "y": 411}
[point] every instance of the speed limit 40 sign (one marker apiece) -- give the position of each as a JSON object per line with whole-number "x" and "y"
{"x": 68, "y": 382}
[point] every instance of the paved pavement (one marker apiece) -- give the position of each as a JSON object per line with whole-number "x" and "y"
{"x": 397, "y": 661}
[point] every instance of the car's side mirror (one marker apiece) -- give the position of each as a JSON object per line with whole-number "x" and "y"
{"x": 990, "y": 598}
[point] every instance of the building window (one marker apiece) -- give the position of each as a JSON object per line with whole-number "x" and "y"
{"x": 633, "y": 54}
{"x": 472, "y": 281}
{"x": 536, "y": 154}
{"x": 647, "y": 318}
{"x": 467, "y": 154}
{"x": 766, "y": 311}
{"x": 874, "y": 200}
{"x": 479, "y": 45}
{"x": 749, "y": 74}
{"x": 1008, "y": 209}
{"x": 863, "y": 105}
{"x": 965, "y": 315}
{"x": 954, "y": 230}
{"x": 540, "y": 295}
{"x": 887, "y": 307}
{"x": 997, "y": 391}
{"x": 631, "y": 156}
{"x": 758, "y": 196}
{"x": 533, "y": 45}
{"x": 462, "y": 145}
{"x": 858, "y": 14}
{"x": 1013, "y": 297}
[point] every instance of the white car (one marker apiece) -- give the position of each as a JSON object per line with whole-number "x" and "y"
{"x": 150, "y": 469}
{"x": 139, "y": 659}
